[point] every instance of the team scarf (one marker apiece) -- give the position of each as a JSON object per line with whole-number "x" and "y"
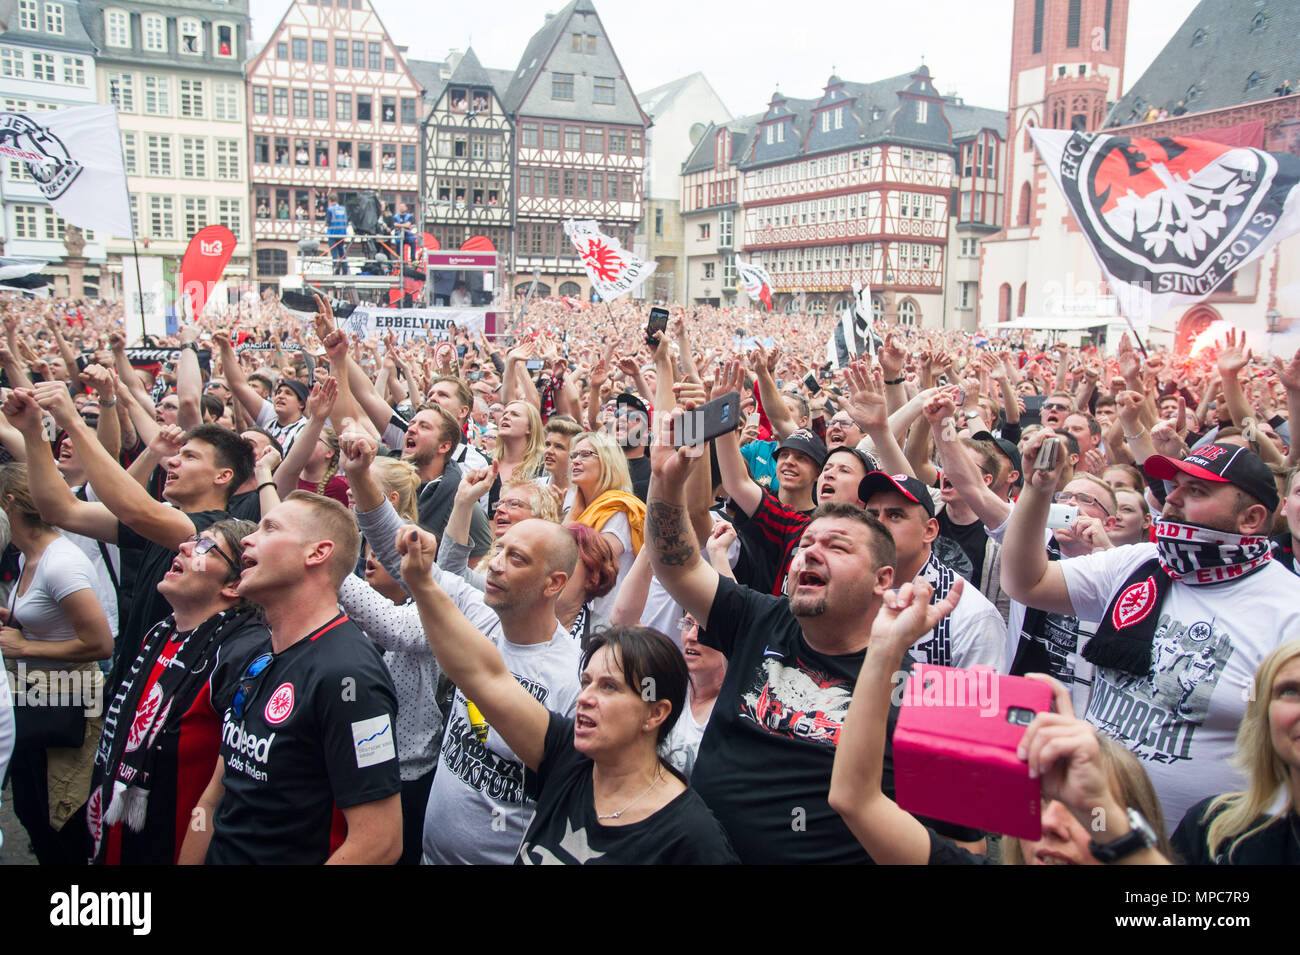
{"x": 941, "y": 577}
{"x": 1185, "y": 553}
{"x": 128, "y": 752}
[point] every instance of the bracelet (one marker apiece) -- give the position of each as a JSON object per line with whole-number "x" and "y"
{"x": 895, "y": 381}
{"x": 107, "y": 404}
{"x": 266, "y": 484}
{"x": 191, "y": 346}
{"x": 1135, "y": 436}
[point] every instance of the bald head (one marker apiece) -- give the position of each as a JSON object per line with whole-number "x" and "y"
{"x": 534, "y": 561}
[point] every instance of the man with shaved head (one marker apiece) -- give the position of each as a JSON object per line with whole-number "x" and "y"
{"x": 477, "y": 811}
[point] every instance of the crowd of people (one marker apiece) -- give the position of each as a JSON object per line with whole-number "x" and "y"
{"x": 278, "y": 595}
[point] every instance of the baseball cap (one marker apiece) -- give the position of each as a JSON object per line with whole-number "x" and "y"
{"x": 868, "y": 462}
{"x": 904, "y": 484}
{"x": 632, "y": 403}
{"x": 1006, "y": 447}
{"x": 805, "y": 441}
{"x": 1223, "y": 463}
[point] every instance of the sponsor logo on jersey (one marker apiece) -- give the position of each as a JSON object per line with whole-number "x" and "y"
{"x": 241, "y": 741}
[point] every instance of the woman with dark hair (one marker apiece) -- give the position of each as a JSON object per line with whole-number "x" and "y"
{"x": 160, "y": 740}
{"x": 604, "y": 794}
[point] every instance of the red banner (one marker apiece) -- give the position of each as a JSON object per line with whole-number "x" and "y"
{"x": 204, "y": 262}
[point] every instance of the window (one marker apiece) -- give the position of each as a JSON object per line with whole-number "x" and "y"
{"x": 562, "y": 86}
{"x": 194, "y": 160}
{"x": 11, "y": 64}
{"x": 966, "y": 294}
{"x": 192, "y": 99}
{"x": 572, "y": 139}
{"x": 191, "y": 35}
{"x": 279, "y": 101}
{"x": 225, "y": 40}
{"x": 528, "y": 135}
{"x": 726, "y": 228}
{"x": 300, "y": 104}
{"x": 907, "y": 312}
{"x": 54, "y": 18}
{"x": 591, "y": 44}
{"x": 358, "y": 54}
{"x": 1072, "y": 18}
{"x": 340, "y": 52}
{"x": 705, "y": 230}
{"x": 130, "y": 158}
{"x": 156, "y": 96}
{"x": 121, "y": 91}
{"x": 158, "y": 154}
{"x": 282, "y": 51}
{"x": 408, "y": 111}
{"x": 320, "y": 51}
{"x": 550, "y": 137}
{"x": 365, "y": 156}
{"x": 390, "y": 64}
{"x": 154, "y": 29}
{"x": 320, "y": 104}
{"x": 299, "y": 49}
{"x": 364, "y": 103}
{"x": 1252, "y": 82}
{"x": 27, "y": 19}
{"x": 602, "y": 90}
{"x": 261, "y": 149}
{"x": 25, "y": 222}
{"x": 227, "y": 159}
{"x": 54, "y": 224}
{"x": 196, "y": 214}
{"x": 134, "y": 201}
{"x": 271, "y": 262}
{"x": 375, "y": 58}
{"x": 117, "y": 28}
{"x": 259, "y": 101}
{"x": 228, "y": 215}
{"x": 922, "y": 111}
{"x": 408, "y": 159}
{"x": 281, "y": 150}
{"x": 388, "y": 109}
{"x": 343, "y": 107}
{"x": 617, "y": 142}
{"x": 594, "y": 140}
{"x": 576, "y": 45}
{"x": 43, "y": 67}
{"x": 225, "y": 101}
{"x": 708, "y": 270}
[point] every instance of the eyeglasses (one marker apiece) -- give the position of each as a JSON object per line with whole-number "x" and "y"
{"x": 515, "y": 504}
{"x": 582, "y": 455}
{"x": 1056, "y": 406}
{"x": 687, "y": 623}
{"x": 1078, "y": 497}
{"x": 255, "y": 669}
{"x": 204, "y": 544}
{"x": 842, "y": 421}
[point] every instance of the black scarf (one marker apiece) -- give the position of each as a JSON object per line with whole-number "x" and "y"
{"x": 133, "y": 739}
{"x": 1186, "y": 553}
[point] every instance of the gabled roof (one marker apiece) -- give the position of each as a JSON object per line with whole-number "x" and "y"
{"x": 741, "y": 130}
{"x": 469, "y": 72}
{"x": 535, "y": 54}
{"x": 655, "y": 101}
{"x": 428, "y": 73}
{"x": 1213, "y": 58}
{"x": 966, "y": 121}
{"x": 74, "y": 38}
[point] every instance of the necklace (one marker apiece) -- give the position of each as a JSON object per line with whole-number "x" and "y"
{"x": 654, "y": 782}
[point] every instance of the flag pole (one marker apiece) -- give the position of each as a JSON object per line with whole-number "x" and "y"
{"x": 135, "y": 248}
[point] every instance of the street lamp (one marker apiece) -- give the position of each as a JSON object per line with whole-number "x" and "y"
{"x": 1272, "y": 318}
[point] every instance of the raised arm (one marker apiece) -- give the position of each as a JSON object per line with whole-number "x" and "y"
{"x": 959, "y": 464}
{"x": 473, "y": 485}
{"x": 126, "y": 500}
{"x": 126, "y": 374}
{"x": 109, "y": 428}
{"x": 1289, "y": 374}
{"x": 674, "y": 548}
{"x": 320, "y": 403}
{"x": 740, "y": 487}
{"x": 244, "y": 393}
{"x": 778, "y": 415}
{"x": 189, "y": 380}
{"x": 868, "y": 407}
{"x": 469, "y": 659}
{"x": 1027, "y": 575}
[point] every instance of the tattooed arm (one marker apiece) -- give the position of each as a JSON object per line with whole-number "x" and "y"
{"x": 674, "y": 548}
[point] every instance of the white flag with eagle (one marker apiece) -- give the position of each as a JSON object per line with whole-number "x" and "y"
{"x": 757, "y": 281}
{"x": 75, "y": 157}
{"x": 852, "y": 334}
{"x": 613, "y": 270}
{"x": 1170, "y": 219}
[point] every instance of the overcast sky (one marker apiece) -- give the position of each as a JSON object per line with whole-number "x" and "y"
{"x": 747, "y": 50}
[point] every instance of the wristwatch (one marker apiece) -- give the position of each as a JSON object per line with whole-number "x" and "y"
{"x": 192, "y": 346}
{"x": 1140, "y": 836}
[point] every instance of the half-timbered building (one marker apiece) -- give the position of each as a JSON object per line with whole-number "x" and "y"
{"x": 855, "y": 186}
{"x": 710, "y": 205}
{"x": 468, "y": 176}
{"x": 579, "y": 147}
{"x": 333, "y": 109}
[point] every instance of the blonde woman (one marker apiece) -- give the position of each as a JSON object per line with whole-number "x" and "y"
{"x": 603, "y": 500}
{"x": 1261, "y": 824}
{"x": 520, "y": 499}
{"x": 519, "y": 447}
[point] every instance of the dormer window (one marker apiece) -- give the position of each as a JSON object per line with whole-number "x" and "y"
{"x": 922, "y": 111}
{"x": 154, "y": 28}
{"x": 1199, "y": 37}
{"x": 191, "y": 35}
{"x": 226, "y": 40}
{"x": 54, "y": 18}
{"x": 1259, "y": 22}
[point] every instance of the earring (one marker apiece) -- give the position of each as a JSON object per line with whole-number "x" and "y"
{"x": 645, "y": 726}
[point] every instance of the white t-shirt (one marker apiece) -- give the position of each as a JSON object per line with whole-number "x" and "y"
{"x": 104, "y": 589}
{"x": 620, "y": 527}
{"x": 683, "y": 742}
{"x": 972, "y": 634}
{"x": 1181, "y": 718}
{"x": 477, "y": 813}
{"x": 63, "y": 570}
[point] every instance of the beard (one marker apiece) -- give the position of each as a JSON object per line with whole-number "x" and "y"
{"x": 1175, "y": 514}
{"x": 807, "y": 606}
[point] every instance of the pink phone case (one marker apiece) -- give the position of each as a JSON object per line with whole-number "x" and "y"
{"x": 955, "y": 751}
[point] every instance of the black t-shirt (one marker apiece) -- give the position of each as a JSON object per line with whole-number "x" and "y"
{"x": 639, "y": 469}
{"x": 765, "y": 762}
{"x": 317, "y": 735}
{"x": 146, "y": 606}
{"x": 246, "y": 506}
{"x": 1278, "y": 843}
{"x": 970, "y": 538}
{"x": 565, "y": 830}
